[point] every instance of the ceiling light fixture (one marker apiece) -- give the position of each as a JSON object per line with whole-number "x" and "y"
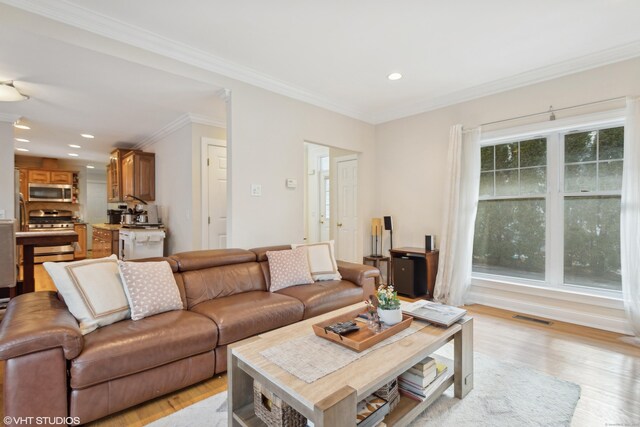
{"x": 87, "y": 135}
{"x": 22, "y": 149}
{"x": 90, "y": 167}
{"x": 9, "y": 93}
{"x": 20, "y": 125}
{"x": 74, "y": 154}
{"x": 22, "y": 140}
{"x": 394, "y": 76}
{"x": 74, "y": 146}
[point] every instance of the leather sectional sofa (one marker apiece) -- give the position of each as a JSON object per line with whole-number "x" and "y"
{"x": 52, "y": 370}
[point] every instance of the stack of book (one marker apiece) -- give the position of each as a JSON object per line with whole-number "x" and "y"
{"x": 419, "y": 382}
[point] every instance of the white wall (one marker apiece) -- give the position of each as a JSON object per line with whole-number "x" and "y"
{"x": 7, "y": 177}
{"x": 412, "y": 155}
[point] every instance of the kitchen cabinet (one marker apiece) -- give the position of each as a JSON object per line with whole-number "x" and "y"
{"x": 139, "y": 175}
{"x": 81, "y": 250}
{"x": 60, "y": 177}
{"x": 114, "y": 175}
{"x": 104, "y": 241}
{"x": 39, "y": 177}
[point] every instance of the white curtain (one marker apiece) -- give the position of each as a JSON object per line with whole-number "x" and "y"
{"x": 459, "y": 216}
{"x": 630, "y": 216}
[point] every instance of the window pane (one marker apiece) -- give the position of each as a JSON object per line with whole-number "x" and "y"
{"x": 486, "y": 158}
{"x": 510, "y": 238}
{"x": 610, "y": 175}
{"x": 580, "y": 147}
{"x": 507, "y": 183}
{"x": 486, "y": 184}
{"x": 580, "y": 178}
{"x": 533, "y": 152}
{"x": 592, "y": 242}
{"x": 611, "y": 143}
{"x": 533, "y": 180}
{"x": 507, "y": 156}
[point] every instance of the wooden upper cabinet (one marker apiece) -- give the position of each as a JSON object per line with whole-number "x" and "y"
{"x": 139, "y": 175}
{"x": 60, "y": 177}
{"x": 39, "y": 177}
{"x": 24, "y": 183}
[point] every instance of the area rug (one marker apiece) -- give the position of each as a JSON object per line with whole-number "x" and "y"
{"x": 504, "y": 395}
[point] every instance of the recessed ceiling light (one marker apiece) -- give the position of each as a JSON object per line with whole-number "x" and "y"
{"x": 20, "y": 125}
{"x": 394, "y": 76}
{"x": 74, "y": 154}
{"x": 22, "y": 149}
{"x": 74, "y": 146}
{"x": 86, "y": 135}
{"x": 90, "y": 167}
{"x": 22, "y": 140}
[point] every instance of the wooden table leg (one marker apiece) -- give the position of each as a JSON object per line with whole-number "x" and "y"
{"x": 27, "y": 269}
{"x": 337, "y": 410}
{"x": 239, "y": 387}
{"x": 463, "y": 359}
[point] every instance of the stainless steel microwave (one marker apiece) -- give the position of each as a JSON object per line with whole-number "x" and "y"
{"x": 50, "y": 193}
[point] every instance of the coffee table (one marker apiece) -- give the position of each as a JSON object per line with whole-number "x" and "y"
{"x": 331, "y": 400}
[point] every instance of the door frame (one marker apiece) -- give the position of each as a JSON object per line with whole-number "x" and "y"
{"x": 334, "y": 200}
{"x": 205, "y": 142}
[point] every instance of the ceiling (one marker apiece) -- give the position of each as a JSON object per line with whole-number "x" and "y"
{"x": 333, "y": 54}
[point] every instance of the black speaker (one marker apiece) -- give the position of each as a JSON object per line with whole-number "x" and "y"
{"x": 429, "y": 243}
{"x": 388, "y": 224}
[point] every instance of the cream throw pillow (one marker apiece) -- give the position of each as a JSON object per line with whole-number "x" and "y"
{"x": 288, "y": 268}
{"x": 322, "y": 260}
{"x": 92, "y": 291}
{"x": 150, "y": 288}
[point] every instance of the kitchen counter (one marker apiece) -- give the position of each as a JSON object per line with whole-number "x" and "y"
{"x": 110, "y": 227}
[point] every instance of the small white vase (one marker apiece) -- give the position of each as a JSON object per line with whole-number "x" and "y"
{"x": 390, "y": 317}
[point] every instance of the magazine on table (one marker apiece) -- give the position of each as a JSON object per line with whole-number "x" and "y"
{"x": 433, "y": 312}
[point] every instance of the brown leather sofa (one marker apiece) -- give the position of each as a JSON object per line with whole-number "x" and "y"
{"x": 52, "y": 370}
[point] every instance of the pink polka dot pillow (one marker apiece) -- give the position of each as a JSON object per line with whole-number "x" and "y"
{"x": 289, "y": 268}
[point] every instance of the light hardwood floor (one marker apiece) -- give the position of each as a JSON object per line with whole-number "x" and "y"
{"x": 604, "y": 364}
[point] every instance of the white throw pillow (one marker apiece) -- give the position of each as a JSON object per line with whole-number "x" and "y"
{"x": 322, "y": 260}
{"x": 288, "y": 268}
{"x": 150, "y": 288}
{"x": 92, "y": 291}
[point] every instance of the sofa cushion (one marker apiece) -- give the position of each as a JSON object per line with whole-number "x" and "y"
{"x": 289, "y": 268}
{"x": 243, "y": 315}
{"x": 322, "y": 260}
{"x": 128, "y": 347}
{"x": 325, "y": 296}
{"x": 197, "y": 260}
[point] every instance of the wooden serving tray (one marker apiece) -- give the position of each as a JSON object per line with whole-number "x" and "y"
{"x": 362, "y": 339}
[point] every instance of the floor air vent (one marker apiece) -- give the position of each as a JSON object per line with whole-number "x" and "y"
{"x": 532, "y": 319}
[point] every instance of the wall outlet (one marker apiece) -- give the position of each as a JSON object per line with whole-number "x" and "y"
{"x": 256, "y": 190}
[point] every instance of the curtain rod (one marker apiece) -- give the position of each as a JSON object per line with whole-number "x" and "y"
{"x": 551, "y": 110}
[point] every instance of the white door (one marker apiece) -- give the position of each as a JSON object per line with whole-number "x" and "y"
{"x": 325, "y": 205}
{"x": 347, "y": 220}
{"x": 217, "y": 200}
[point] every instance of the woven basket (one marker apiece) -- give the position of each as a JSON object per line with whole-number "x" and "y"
{"x": 273, "y": 411}
{"x": 389, "y": 392}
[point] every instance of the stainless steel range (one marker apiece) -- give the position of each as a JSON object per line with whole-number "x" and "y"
{"x": 51, "y": 220}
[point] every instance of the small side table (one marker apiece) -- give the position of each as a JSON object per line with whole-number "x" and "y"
{"x": 375, "y": 260}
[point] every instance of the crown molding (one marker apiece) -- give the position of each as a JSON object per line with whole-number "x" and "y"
{"x": 9, "y": 118}
{"x": 564, "y": 68}
{"x": 114, "y": 29}
{"x": 181, "y": 121}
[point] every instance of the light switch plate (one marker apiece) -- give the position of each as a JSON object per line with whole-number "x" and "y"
{"x": 256, "y": 190}
{"x": 292, "y": 183}
{"x": 2, "y": 213}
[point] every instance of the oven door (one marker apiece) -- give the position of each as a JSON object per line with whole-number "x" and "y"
{"x": 50, "y": 193}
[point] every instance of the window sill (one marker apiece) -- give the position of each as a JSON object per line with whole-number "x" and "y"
{"x": 576, "y": 294}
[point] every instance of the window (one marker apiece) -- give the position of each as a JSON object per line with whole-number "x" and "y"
{"x": 549, "y": 208}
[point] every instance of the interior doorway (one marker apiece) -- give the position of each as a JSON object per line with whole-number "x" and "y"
{"x": 214, "y": 193}
{"x": 331, "y": 194}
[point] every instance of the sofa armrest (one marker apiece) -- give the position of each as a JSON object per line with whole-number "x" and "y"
{"x": 39, "y": 321}
{"x": 357, "y": 273}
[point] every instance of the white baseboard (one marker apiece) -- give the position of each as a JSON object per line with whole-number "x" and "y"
{"x": 564, "y": 311}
